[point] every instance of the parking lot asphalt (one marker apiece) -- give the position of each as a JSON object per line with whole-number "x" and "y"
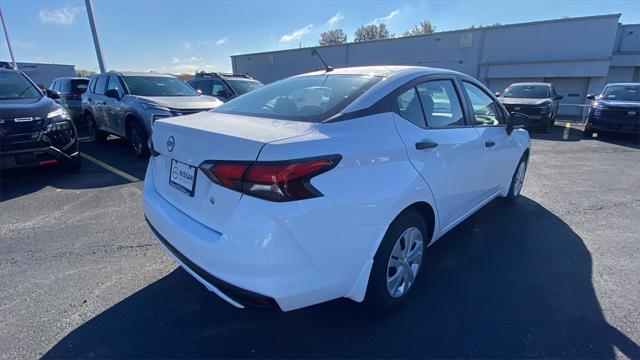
{"x": 555, "y": 275}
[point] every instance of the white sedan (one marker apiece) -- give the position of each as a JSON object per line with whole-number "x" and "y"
{"x": 329, "y": 184}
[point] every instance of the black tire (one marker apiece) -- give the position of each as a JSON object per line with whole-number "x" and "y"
{"x": 512, "y": 195}
{"x": 95, "y": 135}
{"x": 74, "y": 164}
{"x": 137, "y": 137}
{"x": 378, "y": 296}
{"x": 588, "y": 133}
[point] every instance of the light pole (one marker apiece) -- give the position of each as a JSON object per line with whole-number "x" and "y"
{"x": 94, "y": 32}
{"x": 6, "y": 34}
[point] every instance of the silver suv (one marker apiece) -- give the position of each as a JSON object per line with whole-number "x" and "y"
{"x": 126, "y": 104}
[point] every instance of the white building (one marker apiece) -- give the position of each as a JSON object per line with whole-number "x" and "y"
{"x": 44, "y": 74}
{"x": 578, "y": 55}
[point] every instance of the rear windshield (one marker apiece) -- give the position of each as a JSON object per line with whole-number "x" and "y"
{"x": 79, "y": 86}
{"x": 527, "y": 91}
{"x": 244, "y": 86}
{"x": 312, "y": 98}
{"x": 157, "y": 86}
{"x": 13, "y": 85}
{"x": 622, "y": 92}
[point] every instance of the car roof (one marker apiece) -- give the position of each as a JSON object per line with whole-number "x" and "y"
{"x": 533, "y": 84}
{"x": 385, "y": 71}
{"x": 71, "y": 78}
{"x": 138, "y": 73}
{"x": 624, "y": 84}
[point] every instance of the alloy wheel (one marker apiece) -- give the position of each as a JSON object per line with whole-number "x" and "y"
{"x": 404, "y": 262}
{"x": 519, "y": 180}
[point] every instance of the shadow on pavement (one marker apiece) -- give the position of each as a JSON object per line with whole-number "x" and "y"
{"x": 508, "y": 282}
{"x": 576, "y": 133}
{"x": 18, "y": 182}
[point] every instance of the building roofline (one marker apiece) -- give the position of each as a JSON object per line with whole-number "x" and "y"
{"x": 489, "y": 27}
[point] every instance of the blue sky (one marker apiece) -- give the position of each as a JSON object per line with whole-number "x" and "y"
{"x": 183, "y": 36}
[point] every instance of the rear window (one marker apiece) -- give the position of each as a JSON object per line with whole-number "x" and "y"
{"x": 305, "y": 98}
{"x": 79, "y": 86}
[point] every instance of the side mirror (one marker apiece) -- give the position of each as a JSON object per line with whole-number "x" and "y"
{"x": 558, "y": 97}
{"x": 497, "y": 94}
{"x": 516, "y": 120}
{"x": 54, "y": 94}
{"x": 199, "y": 91}
{"x": 112, "y": 93}
{"x": 591, "y": 96}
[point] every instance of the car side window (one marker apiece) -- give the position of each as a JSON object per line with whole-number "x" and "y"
{"x": 217, "y": 86}
{"x": 486, "y": 111}
{"x": 409, "y": 107}
{"x": 65, "y": 86}
{"x": 52, "y": 86}
{"x": 204, "y": 86}
{"x": 440, "y": 104}
{"x": 114, "y": 84}
{"x": 100, "y": 85}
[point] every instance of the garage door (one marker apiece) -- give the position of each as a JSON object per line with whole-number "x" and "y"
{"x": 574, "y": 91}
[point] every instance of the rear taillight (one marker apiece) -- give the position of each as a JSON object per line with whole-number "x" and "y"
{"x": 271, "y": 180}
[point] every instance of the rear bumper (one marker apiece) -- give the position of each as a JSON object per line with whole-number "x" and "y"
{"x": 270, "y": 255}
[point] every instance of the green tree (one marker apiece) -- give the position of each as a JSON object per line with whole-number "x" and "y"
{"x": 85, "y": 73}
{"x": 372, "y": 32}
{"x": 333, "y": 37}
{"x": 425, "y": 27}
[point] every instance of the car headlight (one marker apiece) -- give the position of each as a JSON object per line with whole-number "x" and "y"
{"x": 58, "y": 113}
{"x": 151, "y": 106}
{"x": 546, "y": 107}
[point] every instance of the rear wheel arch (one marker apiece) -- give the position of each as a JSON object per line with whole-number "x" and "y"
{"x": 426, "y": 212}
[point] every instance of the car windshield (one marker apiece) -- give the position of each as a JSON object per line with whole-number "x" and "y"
{"x": 157, "y": 86}
{"x": 244, "y": 86}
{"x": 14, "y": 85}
{"x": 79, "y": 86}
{"x": 311, "y": 98}
{"x": 527, "y": 91}
{"x": 622, "y": 92}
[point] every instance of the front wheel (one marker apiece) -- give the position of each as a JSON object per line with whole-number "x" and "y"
{"x": 397, "y": 263}
{"x": 137, "y": 136}
{"x": 517, "y": 180}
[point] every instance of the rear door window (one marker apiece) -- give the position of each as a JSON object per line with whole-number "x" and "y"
{"x": 408, "y": 106}
{"x": 440, "y": 104}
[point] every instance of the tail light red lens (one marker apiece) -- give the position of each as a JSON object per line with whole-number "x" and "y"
{"x": 275, "y": 181}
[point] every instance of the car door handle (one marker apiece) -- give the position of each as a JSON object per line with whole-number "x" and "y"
{"x": 425, "y": 144}
{"x": 489, "y": 143}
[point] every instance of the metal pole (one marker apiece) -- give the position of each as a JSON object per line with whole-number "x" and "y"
{"x": 94, "y": 32}
{"x": 6, "y": 34}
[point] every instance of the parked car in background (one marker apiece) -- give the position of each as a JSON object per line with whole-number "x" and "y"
{"x": 127, "y": 103}
{"x": 224, "y": 86}
{"x": 615, "y": 110}
{"x": 329, "y": 184}
{"x": 67, "y": 91}
{"x": 539, "y": 101}
{"x": 34, "y": 130}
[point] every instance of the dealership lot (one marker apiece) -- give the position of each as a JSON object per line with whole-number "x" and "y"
{"x": 555, "y": 275}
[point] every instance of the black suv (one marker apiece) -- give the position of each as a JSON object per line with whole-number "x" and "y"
{"x": 616, "y": 110}
{"x": 224, "y": 86}
{"x": 67, "y": 91}
{"x": 34, "y": 130}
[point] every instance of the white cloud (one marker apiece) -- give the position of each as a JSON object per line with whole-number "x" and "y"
{"x": 388, "y": 17}
{"x": 296, "y": 34}
{"x": 187, "y": 44}
{"x": 62, "y": 16}
{"x": 334, "y": 20}
{"x": 187, "y": 65}
{"x": 222, "y": 41}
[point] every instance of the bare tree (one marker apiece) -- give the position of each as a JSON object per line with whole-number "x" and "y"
{"x": 484, "y": 26}
{"x": 372, "y": 32}
{"x": 333, "y": 37}
{"x": 85, "y": 73}
{"x": 425, "y": 27}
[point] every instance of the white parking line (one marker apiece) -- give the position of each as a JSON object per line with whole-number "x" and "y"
{"x": 110, "y": 168}
{"x": 567, "y": 128}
